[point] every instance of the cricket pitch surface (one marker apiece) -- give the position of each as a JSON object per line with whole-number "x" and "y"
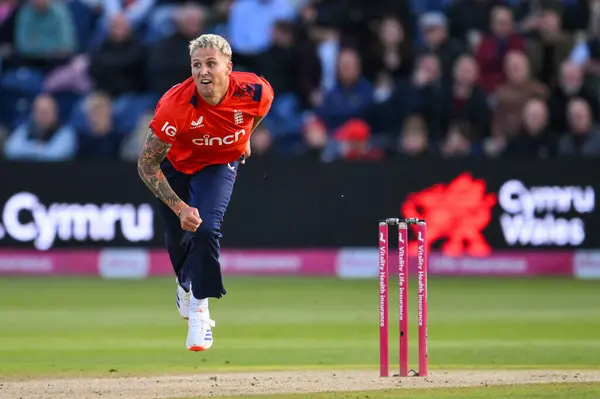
{"x": 277, "y": 382}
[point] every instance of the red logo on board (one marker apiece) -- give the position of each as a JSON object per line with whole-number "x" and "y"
{"x": 456, "y": 214}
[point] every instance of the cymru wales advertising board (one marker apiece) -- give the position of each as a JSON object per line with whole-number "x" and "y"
{"x": 472, "y": 206}
{"x": 72, "y": 205}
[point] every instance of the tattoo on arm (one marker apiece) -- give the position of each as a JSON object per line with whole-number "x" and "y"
{"x": 153, "y": 153}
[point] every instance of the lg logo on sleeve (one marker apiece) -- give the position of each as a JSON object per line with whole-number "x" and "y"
{"x": 169, "y": 129}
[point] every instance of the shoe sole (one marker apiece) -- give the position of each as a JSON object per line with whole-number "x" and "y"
{"x": 197, "y": 349}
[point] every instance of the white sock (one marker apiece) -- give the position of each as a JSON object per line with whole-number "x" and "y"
{"x": 199, "y": 303}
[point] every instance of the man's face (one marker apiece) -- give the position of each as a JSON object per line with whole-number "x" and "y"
{"x": 435, "y": 35}
{"x": 190, "y": 22}
{"x": 210, "y": 69}
{"x": 579, "y": 117}
{"x": 571, "y": 78}
{"x": 44, "y": 112}
{"x": 550, "y": 22}
{"x": 391, "y": 31}
{"x": 502, "y": 23}
{"x": 516, "y": 67}
{"x": 535, "y": 117}
{"x": 283, "y": 37}
{"x": 119, "y": 29}
{"x": 348, "y": 68}
{"x": 466, "y": 71}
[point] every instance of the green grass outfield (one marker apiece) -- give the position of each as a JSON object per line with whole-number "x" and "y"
{"x": 89, "y": 326}
{"x": 534, "y": 391}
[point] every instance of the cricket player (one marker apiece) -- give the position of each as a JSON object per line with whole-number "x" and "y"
{"x": 198, "y": 137}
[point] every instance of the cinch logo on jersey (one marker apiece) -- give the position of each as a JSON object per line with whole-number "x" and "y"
{"x": 208, "y": 141}
{"x": 26, "y": 219}
{"x": 529, "y": 217}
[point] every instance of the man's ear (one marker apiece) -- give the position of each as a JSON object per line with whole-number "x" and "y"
{"x": 229, "y": 67}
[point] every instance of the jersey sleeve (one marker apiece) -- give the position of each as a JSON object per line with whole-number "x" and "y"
{"x": 266, "y": 99}
{"x": 164, "y": 124}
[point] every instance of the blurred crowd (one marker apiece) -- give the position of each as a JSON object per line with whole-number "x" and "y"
{"x": 353, "y": 79}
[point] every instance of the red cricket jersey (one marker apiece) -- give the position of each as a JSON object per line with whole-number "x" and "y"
{"x": 202, "y": 134}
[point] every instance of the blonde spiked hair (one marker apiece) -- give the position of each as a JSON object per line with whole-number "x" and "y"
{"x": 211, "y": 41}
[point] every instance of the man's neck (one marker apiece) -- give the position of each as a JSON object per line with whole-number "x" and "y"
{"x": 214, "y": 100}
{"x": 217, "y": 98}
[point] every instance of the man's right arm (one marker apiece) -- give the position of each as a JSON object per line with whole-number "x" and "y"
{"x": 152, "y": 154}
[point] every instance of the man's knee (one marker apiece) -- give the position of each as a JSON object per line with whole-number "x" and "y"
{"x": 207, "y": 229}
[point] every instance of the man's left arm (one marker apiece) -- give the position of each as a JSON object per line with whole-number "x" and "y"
{"x": 248, "y": 151}
{"x": 263, "y": 109}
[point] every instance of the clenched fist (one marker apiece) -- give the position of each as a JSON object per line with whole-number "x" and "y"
{"x": 190, "y": 219}
{"x": 247, "y": 153}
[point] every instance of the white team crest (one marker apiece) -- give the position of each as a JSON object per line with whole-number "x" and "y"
{"x": 198, "y": 123}
{"x": 238, "y": 117}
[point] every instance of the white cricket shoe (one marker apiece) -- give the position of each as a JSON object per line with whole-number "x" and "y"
{"x": 183, "y": 300}
{"x": 200, "y": 336}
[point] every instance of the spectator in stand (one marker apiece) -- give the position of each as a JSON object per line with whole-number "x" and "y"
{"x": 351, "y": 97}
{"x": 250, "y": 25}
{"x": 586, "y": 53}
{"x": 290, "y": 63}
{"x": 8, "y": 15}
{"x": 116, "y": 64}
{"x": 550, "y": 47}
{"x": 99, "y": 137}
{"x": 160, "y": 22}
{"x": 354, "y": 139}
{"x": 388, "y": 56}
{"x": 293, "y": 69}
{"x": 42, "y": 138}
{"x": 261, "y": 142}
{"x": 583, "y": 136}
{"x": 422, "y": 95}
{"x": 459, "y": 141}
{"x": 413, "y": 140}
{"x": 418, "y": 93}
{"x": 535, "y": 139}
{"x": 571, "y": 85}
{"x": 44, "y": 34}
{"x": 511, "y": 96}
{"x": 135, "y": 11}
{"x": 494, "y": 47}
{"x": 436, "y": 40}
{"x": 528, "y": 14}
{"x": 327, "y": 40}
{"x": 470, "y": 19}
{"x": 169, "y": 58}
{"x": 465, "y": 100}
{"x": 133, "y": 143}
{"x": 581, "y": 16}
{"x": 315, "y": 138}
{"x": 328, "y": 61}
{"x": 364, "y": 12}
